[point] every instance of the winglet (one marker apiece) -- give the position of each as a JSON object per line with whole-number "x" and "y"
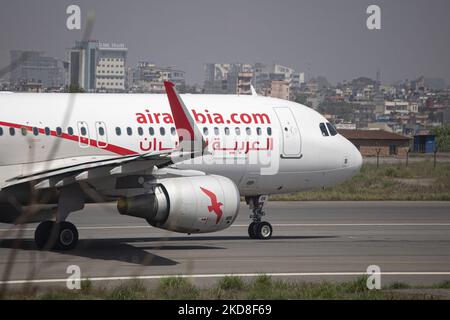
{"x": 184, "y": 122}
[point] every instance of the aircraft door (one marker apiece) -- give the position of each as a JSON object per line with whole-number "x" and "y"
{"x": 83, "y": 134}
{"x": 292, "y": 143}
{"x": 102, "y": 134}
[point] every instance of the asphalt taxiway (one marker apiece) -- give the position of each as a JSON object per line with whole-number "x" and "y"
{"x": 409, "y": 241}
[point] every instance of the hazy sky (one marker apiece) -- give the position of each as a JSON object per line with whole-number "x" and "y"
{"x": 328, "y": 37}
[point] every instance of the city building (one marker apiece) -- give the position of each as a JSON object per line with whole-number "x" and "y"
{"x": 98, "y": 66}
{"x": 261, "y": 77}
{"x": 424, "y": 141}
{"x": 294, "y": 78}
{"x": 347, "y": 126}
{"x": 34, "y": 69}
{"x": 377, "y": 142}
{"x": 223, "y": 78}
{"x": 399, "y": 106}
{"x": 279, "y": 89}
{"x": 216, "y": 76}
{"x": 379, "y": 126}
{"x": 233, "y": 78}
{"x": 148, "y": 77}
{"x": 434, "y": 83}
{"x": 446, "y": 116}
{"x": 4, "y": 84}
{"x": 244, "y": 82}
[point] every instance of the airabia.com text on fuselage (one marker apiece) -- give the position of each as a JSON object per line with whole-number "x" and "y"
{"x": 226, "y": 148}
{"x": 204, "y": 117}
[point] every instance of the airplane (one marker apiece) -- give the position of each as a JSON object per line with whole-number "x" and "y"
{"x": 181, "y": 162}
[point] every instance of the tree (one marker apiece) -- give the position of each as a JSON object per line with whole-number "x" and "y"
{"x": 75, "y": 88}
{"x": 301, "y": 98}
{"x": 442, "y": 137}
{"x": 341, "y": 109}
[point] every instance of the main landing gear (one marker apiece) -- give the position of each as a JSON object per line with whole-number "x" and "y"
{"x": 61, "y": 234}
{"x": 51, "y": 235}
{"x": 258, "y": 229}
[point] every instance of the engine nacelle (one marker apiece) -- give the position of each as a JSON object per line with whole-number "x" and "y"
{"x": 197, "y": 204}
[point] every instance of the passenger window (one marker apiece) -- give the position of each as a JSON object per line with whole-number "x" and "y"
{"x": 258, "y": 131}
{"x": 12, "y": 132}
{"x": 238, "y": 131}
{"x": 58, "y": 131}
{"x": 129, "y": 131}
{"x": 205, "y": 131}
{"x": 101, "y": 131}
{"x": 173, "y": 131}
{"x": 323, "y": 129}
{"x": 269, "y": 131}
{"x": 227, "y": 131}
{"x": 118, "y": 131}
{"x": 83, "y": 131}
{"x": 248, "y": 131}
{"x": 47, "y": 131}
{"x": 216, "y": 131}
{"x": 70, "y": 131}
{"x": 162, "y": 131}
{"x": 35, "y": 131}
{"x": 332, "y": 129}
{"x": 1, "y": 131}
{"x": 24, "y": 131}
{"x": 151, "y": 131}
{"x": 140, "y": 131}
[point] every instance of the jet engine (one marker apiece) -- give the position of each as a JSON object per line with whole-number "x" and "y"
{"x": 197, "y": 204}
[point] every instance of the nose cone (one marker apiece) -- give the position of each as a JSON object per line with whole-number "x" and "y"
{"x": 355, "y": 158}
{"x": 358, "y": 160}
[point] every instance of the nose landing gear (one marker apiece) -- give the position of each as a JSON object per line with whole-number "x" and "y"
{"x": 258, "y": 229}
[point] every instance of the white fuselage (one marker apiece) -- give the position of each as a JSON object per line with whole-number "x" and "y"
{"x": 264, "y": 145}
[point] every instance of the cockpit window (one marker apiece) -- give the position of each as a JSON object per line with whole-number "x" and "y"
{"x": 323, "y": 128}
{"x": 332, "y": 129}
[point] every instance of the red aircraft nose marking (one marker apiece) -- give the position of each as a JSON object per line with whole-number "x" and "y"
{"x": 215, "y": 205}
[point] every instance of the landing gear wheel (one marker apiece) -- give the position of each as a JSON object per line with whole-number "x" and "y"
{"x": 56, "y": 236}
{"x": 251, "y": 230}
{"x": 43, "y": 233}
{"x": 67, "y": 236}
{"x": 263, "y": 230}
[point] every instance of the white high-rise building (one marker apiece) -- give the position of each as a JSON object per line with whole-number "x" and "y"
{"x": 110, "y": 68}
{"x": 98, "y": 66}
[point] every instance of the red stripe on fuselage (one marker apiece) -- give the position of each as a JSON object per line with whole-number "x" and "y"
{"x": 93, "y": 143}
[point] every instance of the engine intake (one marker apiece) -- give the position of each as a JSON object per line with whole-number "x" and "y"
{"x": 153, "y": 207}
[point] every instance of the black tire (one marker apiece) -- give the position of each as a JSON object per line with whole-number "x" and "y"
{"x": 252, "y": 230}
{"x": 67, "y": 236}
{"x": 264, "y": 230}
{"x": 43, "y": 233}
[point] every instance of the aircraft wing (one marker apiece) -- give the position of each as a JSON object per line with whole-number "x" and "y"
{"x": 191, "y": 145}
{"x": 62, "y": 176}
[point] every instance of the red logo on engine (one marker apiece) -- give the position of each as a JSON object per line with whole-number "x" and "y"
{"x": 215, "y": 205}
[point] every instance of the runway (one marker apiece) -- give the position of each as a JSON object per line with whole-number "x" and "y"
{"x": 409, "y": 241}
